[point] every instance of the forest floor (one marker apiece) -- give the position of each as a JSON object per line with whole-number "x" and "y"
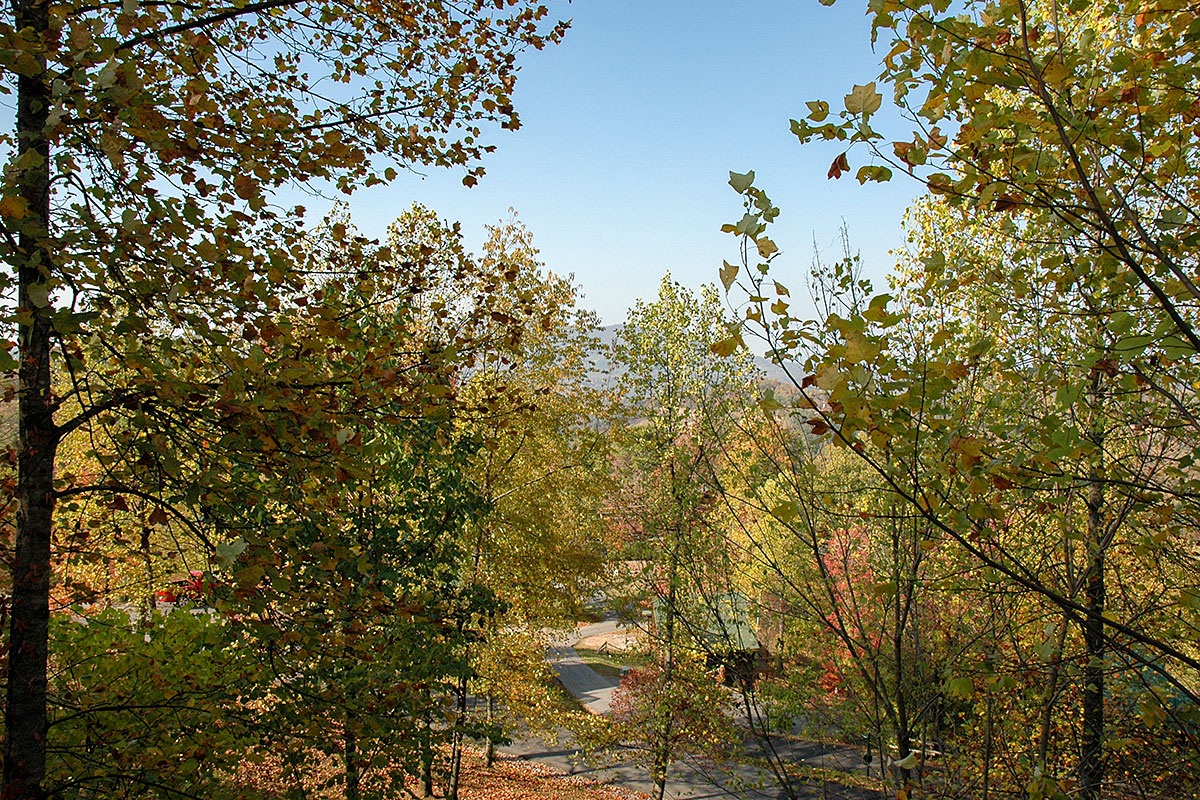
{"x": 509, "y": 778}
{"x": 514, "y": 779}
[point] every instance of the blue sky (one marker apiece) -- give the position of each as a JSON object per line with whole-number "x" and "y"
{"x": 629, "y": 130}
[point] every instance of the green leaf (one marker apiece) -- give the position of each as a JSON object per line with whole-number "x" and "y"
{"x": 980, "y": 347}
{"x": 741, "y": 182}
{"x": 1189, "y": 598}
{"x": 39, "y": 295}
{"x": 768, "y": 402}
{"x": 227, "y": 552}
{"x": 749, "y": 225}
{"x": 884, "y": 589}
{"x": 879, "y": 174}
{"x": 877, "y": 310}
{"x": 785, "y": 512}
{"x": 1047, "y": 650}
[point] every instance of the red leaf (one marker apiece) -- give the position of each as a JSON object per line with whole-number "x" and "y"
{"x": 818, "y": 426}
{"x": 839, "y": 165}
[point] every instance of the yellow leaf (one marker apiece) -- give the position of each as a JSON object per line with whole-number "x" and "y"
{"x": 897, "y": 49}
{"x": 859, "y": 348}
{"x": 725, "y": 347}
{"x": 728, "y": 275}
{"x": 863, "y": 99}
{"x": 967, "y": 445}
{"x": 827, "y": 378}
{"x": 13, "y": 207}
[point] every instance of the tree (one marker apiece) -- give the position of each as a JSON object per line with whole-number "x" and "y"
{"x": 543, "y": 471}
{"x": 1071, "y": 137}
{"x": 1070, "y": 117}
{"x": 699, "y": 709}
{"x": 373, "y": 647}
{"x": 157, "y": 710}
{"x": 681, "y": 402}
{"x": 338, "y": 568}
{"x": 135, "y": 212}
{"x": 542, "y": 465}
{"x": 988, "y": 396}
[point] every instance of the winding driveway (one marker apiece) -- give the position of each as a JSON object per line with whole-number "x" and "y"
{"x": 592, "y": 689}
{"x": 688, "y": 780}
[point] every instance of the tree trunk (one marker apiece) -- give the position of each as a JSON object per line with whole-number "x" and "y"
{"x": 903, "y": 733}
{"x": 427, "y": 758}
{"x": 903, "y": 727}
{"x": 662, "y": 748}
{"x": 456, "y": 745}
{"x": 489, "y": 758}
{"x": 350, "y": 755}
{"x": 25, "y": 710}
{"x": 148, "y": 562}
{"x": 1091, "y": 760}
{"x": 1043, "y": 744}
{"x": 987, "y": 747}
{"x": 662, "y": 756}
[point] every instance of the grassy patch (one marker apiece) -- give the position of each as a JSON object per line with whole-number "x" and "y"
{"x": 605, "y": 669}
{"x": 611, "y": 659}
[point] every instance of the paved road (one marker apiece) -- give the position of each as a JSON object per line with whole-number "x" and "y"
{"x": 592, "y": 689}
{"x": 692, "y": 780}
{"x": 688, "y": 779}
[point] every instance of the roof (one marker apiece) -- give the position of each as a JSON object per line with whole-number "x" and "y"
{"x": 721, "y": 622}
{"x": 728, "y": 624}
